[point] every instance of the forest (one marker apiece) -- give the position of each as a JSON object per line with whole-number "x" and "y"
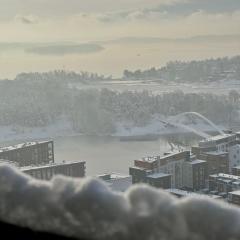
{"x": 33, "y": 103}
{"x": 210, "y": 70}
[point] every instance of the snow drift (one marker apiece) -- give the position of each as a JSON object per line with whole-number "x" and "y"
{"x": 87, "y": 208}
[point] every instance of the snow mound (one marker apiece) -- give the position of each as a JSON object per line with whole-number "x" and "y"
{"x": 87, "y": 208}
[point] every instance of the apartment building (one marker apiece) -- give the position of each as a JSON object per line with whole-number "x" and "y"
{"x": 29, "y": 153}
{"x": 46, "y": 172}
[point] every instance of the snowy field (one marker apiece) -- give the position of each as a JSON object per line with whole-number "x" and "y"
{"x": 220, "y": 87}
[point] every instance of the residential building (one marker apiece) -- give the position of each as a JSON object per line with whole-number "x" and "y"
{"x": 234, "y": 156}
{"x": 236, "y": 171}
{"x": 194, "y": 174}
{"x": 234, "y": 197}
{"x": 217, "y": 162}
{"x": 173, "y": 164}
{"x": 215, "y": 148}
{"x": 46, "y": 172}
{"x": 29, "y": 153}
{"x": 117, "y": 182}
{"x": 170, "y": 164}
{"x": 222, "y": 184}
{"x": 158, "y": 180}
{"x": 218, "y": 143}
{"x": 182, "y": 193}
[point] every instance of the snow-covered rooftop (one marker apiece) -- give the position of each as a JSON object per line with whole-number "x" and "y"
{"x": 218, "y": 137}
{"x": 235, "y": 193}
{"x": 117, "y": 182}
{"x": 21, "y": 145}
{"x": 158, "y": 175}
{"x": 217, "y": 153}
{"x": 226, "y": 176}
{"x": 34, "y": 167}
{"x": 197, "y": 161}
{"x": 187, "y": 193}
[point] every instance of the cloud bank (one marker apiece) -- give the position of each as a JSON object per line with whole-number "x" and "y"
{"x": 87, "y": 208}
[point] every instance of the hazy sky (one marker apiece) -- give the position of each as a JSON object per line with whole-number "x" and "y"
{"x": 91, "y": 21}
{"x": 83, "y": 20}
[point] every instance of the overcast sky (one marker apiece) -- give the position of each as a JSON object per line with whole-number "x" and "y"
{"x": 87, "y": 20}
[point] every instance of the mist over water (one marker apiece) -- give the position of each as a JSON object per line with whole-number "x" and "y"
{"x": 112, "y": 59}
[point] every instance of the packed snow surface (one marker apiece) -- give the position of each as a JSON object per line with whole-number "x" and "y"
{"x": 87, "y": 208}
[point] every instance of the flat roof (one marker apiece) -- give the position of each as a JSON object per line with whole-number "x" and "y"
{"x": 158, "y": 175}
{"x": 120, "y": 184}
{"x": 158, "y": 157}
{"x": 235, "y": 193}
{"x": 35, "y": 167}
{"x": 22, "y": 145}
{"x": 197, "y": 161}
{"x": 149, "y": 159}
{"x": 226, "y": 176}
{"x": 140, "y": 168}
{"x": 237, "y": 167}
{"x": 188, "y": 193}
{"x": 216, "y": 153}
{"x": 112, "y": 176}
{"x": 218, "y": 137}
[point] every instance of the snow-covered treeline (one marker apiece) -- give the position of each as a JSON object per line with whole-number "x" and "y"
{"x": 61, "y": 75}
{"x": 41, "y": 103}
{"x": 194, "y": 71}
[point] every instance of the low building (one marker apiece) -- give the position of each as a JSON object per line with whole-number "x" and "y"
{"x": 219, "y": 142}
{"x": 222, "y": 184}
{"x": 159, "y": 180}
{"x": 234, "y": 197}
{"x": 139, "y": 174}
{"x": 182, "y": 193}
{"x": 29, "y": 153}
{"x": 117, "y": 182}
{"x": 46, "y": 172}
{"x": 155, "y": 179}
{"x": 182, "y": 168}
{"x": 217, "y": 162}
{"x": 236, "y": 171}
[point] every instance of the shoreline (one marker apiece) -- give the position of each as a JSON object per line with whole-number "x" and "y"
{"x": 146, "y": 133}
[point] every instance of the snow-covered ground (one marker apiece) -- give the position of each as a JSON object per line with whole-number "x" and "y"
{"x": 60, "y": 128}
{"x": 158, "y": 127}
{"x": 158, "y": 87}
{"x": 63, "y": 128}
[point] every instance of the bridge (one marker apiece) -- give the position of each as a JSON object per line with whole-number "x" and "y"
{"x": 175, "y": 122}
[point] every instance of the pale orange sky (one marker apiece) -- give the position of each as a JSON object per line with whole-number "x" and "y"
{"x": 57, "y": 21}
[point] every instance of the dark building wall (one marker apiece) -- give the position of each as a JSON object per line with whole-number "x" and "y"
{"x": 175, "y": 157}
{"x": 142, "y": 176}
{"x": 200, "y": 150}
{"x": 161, "y": 182}
{"x": 234, "y": 198}
{"x": 145, "y": 164}
{"x": 47, "y": 172}
{"x": 236, "y": 171}
{"x": 199, "y": 176}
{"x": 138, "y": 175}
{"x": 216, "y": 184}
{"x": 39, "y": 153}
{"x": 215, "y": 163}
